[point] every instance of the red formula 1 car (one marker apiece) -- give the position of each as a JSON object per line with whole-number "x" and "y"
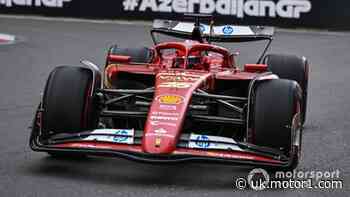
{"x": 179, "y": 101}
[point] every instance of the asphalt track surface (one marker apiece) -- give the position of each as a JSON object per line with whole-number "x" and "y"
{"x": 45, "y": 44}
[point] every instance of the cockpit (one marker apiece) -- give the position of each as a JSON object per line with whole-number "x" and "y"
{"x": 193, "y": 55}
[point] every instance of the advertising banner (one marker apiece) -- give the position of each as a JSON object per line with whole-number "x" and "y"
{"x": 283, "y": 13}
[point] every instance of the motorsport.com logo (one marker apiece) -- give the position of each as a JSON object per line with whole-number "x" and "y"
{"x": 36, "y": 3}
{"x": 238, "y": 8}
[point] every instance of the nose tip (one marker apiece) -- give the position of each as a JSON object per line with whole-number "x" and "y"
{"x": 158, "y": 144}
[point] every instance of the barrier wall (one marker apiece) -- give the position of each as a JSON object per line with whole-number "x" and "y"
{"x": 283, "y": 13}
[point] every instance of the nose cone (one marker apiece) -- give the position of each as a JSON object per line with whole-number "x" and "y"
{"x": 168, "y": 110}
{"x": 159, "y": 143}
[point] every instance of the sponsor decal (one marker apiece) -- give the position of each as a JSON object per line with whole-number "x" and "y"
{"x": 186, "y": 74}
{"x": 162, "y": 119}
{"x": 202, "y": 141}
{"x": 160, "y": 123}
{"x": 238, "y": 8}
{"x": 175, "y": 85}
{"x": 217, "y": 30}
{"x": 165, "y": 113}
{"x": 159, "y": 135}
{"x": 125, "y": 136}
{"x": 160, "y": 130}
{"x": 170, "y": 99}
{"x": 35, "y": 3}
{"x": 166, "y": 118}
{"x": 167, "y": 107}
{"x": 230, "y": 156}
{"x": 227, "y": 30}
{"x": 212, "y": 142}
{"x": 85, "y": 145}
{"x": 178, "y": 78}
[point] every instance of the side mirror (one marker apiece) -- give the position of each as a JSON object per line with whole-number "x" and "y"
{"x": 119, "y": 58}
{"x": 255, "y": 68}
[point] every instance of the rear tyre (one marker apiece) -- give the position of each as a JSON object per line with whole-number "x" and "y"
{"x": 67, "y": 103}
{"x": 292, "y": 68}
{"x": 276, "y": 117}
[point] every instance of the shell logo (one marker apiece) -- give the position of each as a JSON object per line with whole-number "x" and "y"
{"x": 170, "y": 99}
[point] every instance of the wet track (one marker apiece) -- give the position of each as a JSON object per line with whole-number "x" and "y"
{"x": 45, "y": 44}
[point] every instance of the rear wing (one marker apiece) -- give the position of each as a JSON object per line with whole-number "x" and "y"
{"x": 221, "y": 33}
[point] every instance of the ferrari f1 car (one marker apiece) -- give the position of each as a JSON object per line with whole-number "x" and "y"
{"x": 179, "y": 101}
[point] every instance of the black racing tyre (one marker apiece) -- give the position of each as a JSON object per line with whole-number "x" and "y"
{"x": 275, "y": 106}
{"x": 293, "y": 68}
{"x": 140, "y": 55}
{"x": 67, "y": 104}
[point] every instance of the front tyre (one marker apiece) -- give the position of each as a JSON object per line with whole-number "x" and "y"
{"x": 67, "y": 103}
{"x": 276, "y": 118}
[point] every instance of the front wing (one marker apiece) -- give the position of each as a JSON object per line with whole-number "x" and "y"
{"x": 191, "y": 147}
